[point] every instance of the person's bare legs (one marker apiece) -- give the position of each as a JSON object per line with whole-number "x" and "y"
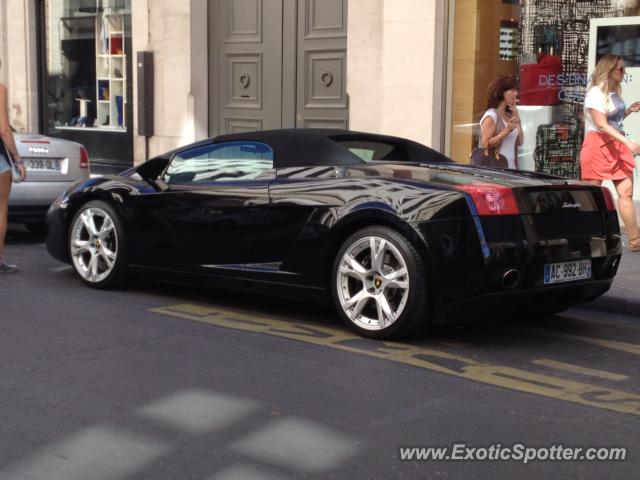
{"x": 5, "y": 189}
{"x": 593, "y": 182}
{"x": 628, "y": 211}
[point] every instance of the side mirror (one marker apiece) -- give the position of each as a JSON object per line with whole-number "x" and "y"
{"x": 159, "y": 185}
{"x": 152, "y": 169}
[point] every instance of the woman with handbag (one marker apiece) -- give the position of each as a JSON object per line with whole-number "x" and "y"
{"x": 607, "y": 153}
{"x": 500, "y": 127}
{"x": 6, "y": 176}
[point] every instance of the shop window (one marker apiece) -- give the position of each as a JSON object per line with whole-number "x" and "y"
{"x": 86, "y": 73}
{"x": 544, "y": 44}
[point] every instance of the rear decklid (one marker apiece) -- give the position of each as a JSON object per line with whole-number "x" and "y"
{"x": 51, "y": 160}
{"x": 547, "y": 207}
{"x": 569, "y": 211}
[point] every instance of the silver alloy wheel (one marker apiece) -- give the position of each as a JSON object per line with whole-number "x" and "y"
{"x": 372, "y": 283}
{"x": 94, "y": 244}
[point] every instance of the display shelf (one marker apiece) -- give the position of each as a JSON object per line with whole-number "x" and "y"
{"x": 111, "y": 72}
{"x": 89, "y": 129}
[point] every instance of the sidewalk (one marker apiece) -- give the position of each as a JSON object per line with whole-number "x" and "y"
{"x": 624, "y": 295}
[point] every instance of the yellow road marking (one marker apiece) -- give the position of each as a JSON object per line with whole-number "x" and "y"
{"x": 427, "y": 358}
{"x": 568, "y": 367}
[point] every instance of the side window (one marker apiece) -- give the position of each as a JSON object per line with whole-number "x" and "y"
{"x": 371, "y": 151}
{"x": 220, "y": 162}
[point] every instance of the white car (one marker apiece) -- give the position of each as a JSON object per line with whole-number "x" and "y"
{"x": 53, "y": 165}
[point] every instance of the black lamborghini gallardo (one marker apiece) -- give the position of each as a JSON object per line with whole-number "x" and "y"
{"x": 390, "y": 231}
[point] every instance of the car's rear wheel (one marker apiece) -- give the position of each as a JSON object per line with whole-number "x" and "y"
{"x": 379, "y": 284}
{"x": 97, "y": 247}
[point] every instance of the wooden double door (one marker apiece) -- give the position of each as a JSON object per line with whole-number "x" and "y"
{"x": 277, "y": 64}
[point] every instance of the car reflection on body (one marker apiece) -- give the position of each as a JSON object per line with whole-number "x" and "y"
{"x": 393, "y": 233}
{"x": 53, "y": 165}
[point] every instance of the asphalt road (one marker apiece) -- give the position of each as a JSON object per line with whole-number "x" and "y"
{"x": 170, "y": 382}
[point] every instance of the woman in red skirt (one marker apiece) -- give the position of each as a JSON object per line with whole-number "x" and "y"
{"x": 607, "y": 154}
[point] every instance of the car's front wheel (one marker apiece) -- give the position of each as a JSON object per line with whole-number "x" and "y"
{"x": 379, "y": 284}
{"x": 96, "y": 245}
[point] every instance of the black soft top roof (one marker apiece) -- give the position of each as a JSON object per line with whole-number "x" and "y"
{"x": 321, "y": 147}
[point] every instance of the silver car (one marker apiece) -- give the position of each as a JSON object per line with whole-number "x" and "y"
{"x": 53, "y": 165}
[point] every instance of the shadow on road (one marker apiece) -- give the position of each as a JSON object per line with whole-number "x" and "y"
{"x": 475, "y": 328}
{"x": 17, "y": 234}
{"x": 478, "y": 328}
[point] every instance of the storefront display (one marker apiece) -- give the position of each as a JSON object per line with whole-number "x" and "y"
{"x": 552, "y": 66}
{"x": 508, "y": 41}
{"x": 111, "y": 63}
{"x": 86, "y": 83}
{"x": 531, "y": 116}
{"x": 557, "y": 149}
{"x": 538, "y": 81}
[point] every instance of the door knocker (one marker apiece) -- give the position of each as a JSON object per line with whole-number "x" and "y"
{"x": 327, "y": 78}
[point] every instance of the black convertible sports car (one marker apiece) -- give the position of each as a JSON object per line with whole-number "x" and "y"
{"x": 390, "y": 231}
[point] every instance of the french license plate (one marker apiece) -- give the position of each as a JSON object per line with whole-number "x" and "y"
{"x": 567, "y": 271}
{"x": 43, "y": 165}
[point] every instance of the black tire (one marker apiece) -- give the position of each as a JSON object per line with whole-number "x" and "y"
{"x": 37, "y": 228}
{"x": 415, "y": 314}
{"x": 116, "y": 276}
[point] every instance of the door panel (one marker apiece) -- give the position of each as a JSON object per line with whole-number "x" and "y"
{"x": 223, "y": 226}
{"x": 216, "y": 225}
{"x": 243, "y": 21}
{"x": 325, "y": 18}
{"x": 245, "y": 76}
{"x": 277, "y": 64}
{"x": 238, "y": 125}
{"x": 193, "y": 229}
{"x": 321, "y": 76}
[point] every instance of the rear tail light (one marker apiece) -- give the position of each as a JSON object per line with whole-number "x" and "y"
{"x": 608, "y": 199}
{"x": 84, "y": 158}
{"x": 490, "y": 199}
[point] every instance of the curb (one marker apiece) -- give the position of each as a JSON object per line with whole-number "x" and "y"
{"x": 620, "y": 298}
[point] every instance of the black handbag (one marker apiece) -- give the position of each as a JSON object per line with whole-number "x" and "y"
{"x": 488, "y": 157}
